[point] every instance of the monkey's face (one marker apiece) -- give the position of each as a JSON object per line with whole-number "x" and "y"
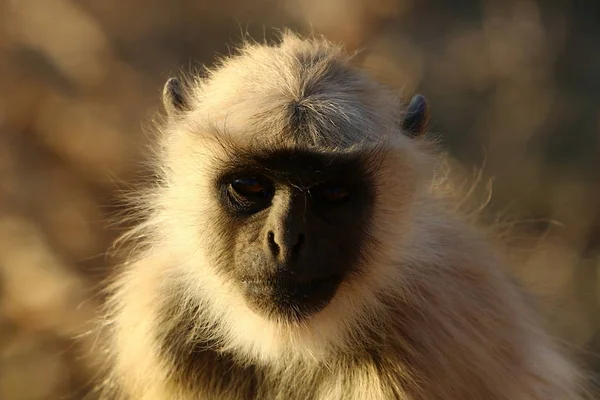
{"x": 288, "y": 186}
{"x": 293, "y": 225}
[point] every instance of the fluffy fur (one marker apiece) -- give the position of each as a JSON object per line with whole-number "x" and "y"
{"x": 433, "y": 316}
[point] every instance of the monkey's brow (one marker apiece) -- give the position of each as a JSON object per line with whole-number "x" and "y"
{"x": 302, "y": 161}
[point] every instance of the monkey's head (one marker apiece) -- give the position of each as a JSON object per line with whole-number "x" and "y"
{"x": 288, "y": 178}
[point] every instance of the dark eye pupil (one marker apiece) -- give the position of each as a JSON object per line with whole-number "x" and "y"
{"x": 335, "y": 194}
{"x": 330, "y": 193}
{"x": 249, "y": 187}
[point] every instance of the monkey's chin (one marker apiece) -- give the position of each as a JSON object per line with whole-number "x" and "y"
{"x": 289, "y": 301}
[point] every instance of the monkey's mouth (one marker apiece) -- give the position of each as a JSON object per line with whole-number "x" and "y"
{"x": 290, "y": 299}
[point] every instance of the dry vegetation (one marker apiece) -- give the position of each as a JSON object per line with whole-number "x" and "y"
{"x": 514, "y": 87}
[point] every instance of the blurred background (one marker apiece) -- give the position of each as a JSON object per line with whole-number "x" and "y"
{"x": 514, "y": 88}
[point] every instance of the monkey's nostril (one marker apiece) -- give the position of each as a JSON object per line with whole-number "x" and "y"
{"x": 273, "y": 246}
{"x": 298, "y": 244}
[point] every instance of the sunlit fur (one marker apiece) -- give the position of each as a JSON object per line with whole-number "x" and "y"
{"x": 434, "y": 315}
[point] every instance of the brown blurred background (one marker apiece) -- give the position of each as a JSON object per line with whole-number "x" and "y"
{"x": 514, "y": 87}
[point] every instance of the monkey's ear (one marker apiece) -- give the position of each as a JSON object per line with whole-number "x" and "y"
{"x": 416, "y": 118}
{"x": 174, "y": 97}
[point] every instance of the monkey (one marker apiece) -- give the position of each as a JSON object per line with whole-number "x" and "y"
{"x": 296, "y": 245}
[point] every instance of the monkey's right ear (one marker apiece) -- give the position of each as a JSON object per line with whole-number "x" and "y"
{"x": 174, "y": 98}
{"x": 416, "y": 118}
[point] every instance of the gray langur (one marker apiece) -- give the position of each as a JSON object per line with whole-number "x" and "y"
{"x": 295, "y": 246}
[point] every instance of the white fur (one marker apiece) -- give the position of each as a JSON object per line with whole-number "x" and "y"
{"x": 428, "y": 261}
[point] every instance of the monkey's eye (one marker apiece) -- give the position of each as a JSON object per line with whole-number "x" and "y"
{"x": 250, "y": 187}
{"x": 330, "y": 193}
{"x": 250, "y": 193}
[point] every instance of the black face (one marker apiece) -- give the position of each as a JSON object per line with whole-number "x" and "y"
{"x": 295, "y": 225}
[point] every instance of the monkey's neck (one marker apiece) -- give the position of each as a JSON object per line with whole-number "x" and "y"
{"x": 202, "y": 368}
{"x": 395, "y": 361}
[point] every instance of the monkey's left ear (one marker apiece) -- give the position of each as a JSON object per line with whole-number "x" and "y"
{"x": 174, "y": 97}
{"x": 416, "y": 118}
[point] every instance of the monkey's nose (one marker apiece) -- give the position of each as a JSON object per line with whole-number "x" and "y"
{"x": 286, "y": 245}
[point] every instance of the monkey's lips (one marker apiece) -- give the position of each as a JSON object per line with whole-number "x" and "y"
{"x": 287, "y": 298}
